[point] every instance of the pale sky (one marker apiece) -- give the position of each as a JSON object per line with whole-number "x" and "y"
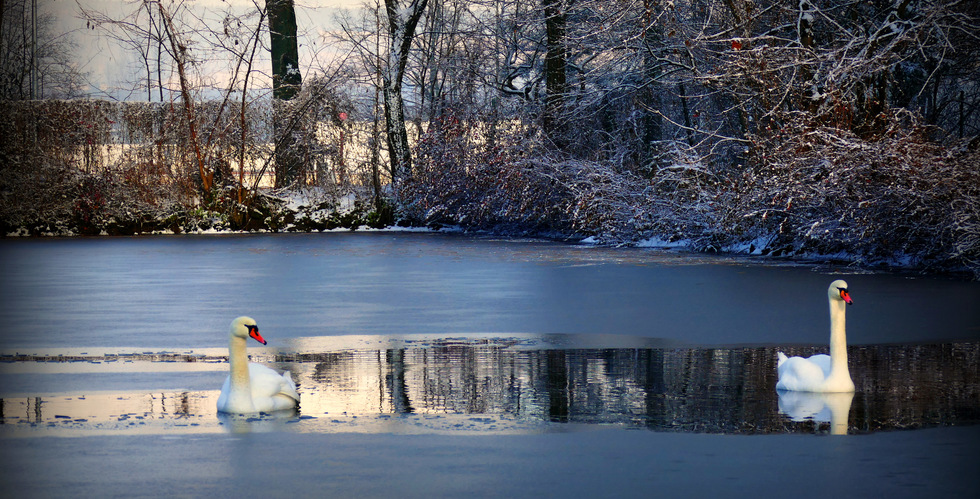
{"x": 115, "y": 69}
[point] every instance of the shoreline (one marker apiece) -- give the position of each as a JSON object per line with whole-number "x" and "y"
{"x": 746, "y": 251}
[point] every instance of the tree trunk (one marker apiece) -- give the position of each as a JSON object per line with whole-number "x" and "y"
{"x": 286, "y": 82}
{"x": 809, "y": 98}
{"x": 375, "y": 141}
{"x": 398, "y": 149}
{"x": 650, "y": 94}
{"x": 402, "y": 20}
{"x": 554, "y": 71}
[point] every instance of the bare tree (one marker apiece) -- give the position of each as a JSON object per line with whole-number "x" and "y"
{"x": 403, "y": 17}
{"x": 36, "y": 62}
{"x": 184, "y": 40}
{"x": 178, "y": 50}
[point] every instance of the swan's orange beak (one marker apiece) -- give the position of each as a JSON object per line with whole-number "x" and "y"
{"x": 844, "y": 295}
{"x": 253, "y": 331}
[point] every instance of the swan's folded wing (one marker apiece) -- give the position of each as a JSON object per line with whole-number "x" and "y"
{"x": 822, "y": 361}
{"x": 288, "y": 388}
{"x": 799, "y": 374}
{"x": 223, "y": 397}
{"x": 269, "y": 383}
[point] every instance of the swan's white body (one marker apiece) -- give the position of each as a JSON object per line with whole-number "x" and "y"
{"x": 252, "y": 388}
{"x": 822, "y": 373}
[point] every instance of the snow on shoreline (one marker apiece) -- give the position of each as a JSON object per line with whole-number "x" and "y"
{"x": 309, "y": 210}
{"x": 758, "y": 247}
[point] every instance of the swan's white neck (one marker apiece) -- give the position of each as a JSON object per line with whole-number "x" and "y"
{"x": 838, "y": 341}
{"x": 240, "y": 391}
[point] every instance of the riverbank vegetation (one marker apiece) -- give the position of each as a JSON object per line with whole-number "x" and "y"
{"x": 825, "y": 129}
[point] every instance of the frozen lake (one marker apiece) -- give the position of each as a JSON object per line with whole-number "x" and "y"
{"x": 397, "y": 336}
{"x": 176, "y": 293}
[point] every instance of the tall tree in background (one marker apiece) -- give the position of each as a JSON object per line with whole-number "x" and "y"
{"x": 403, "y": 17}
{"x": 650, "y": 93}
{"x": 286, "y": 83}
{"x": 554, "y": 70}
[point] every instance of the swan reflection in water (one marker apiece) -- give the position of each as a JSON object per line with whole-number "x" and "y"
{"x": 818, "y": 407}
{"x": 257, "y": 423}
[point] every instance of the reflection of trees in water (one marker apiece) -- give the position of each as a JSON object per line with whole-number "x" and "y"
{"x": 907, "y": 387}
{"x": 713, "y": 390}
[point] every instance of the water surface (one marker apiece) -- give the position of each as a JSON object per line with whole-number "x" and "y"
{"x": 518, "y": 384}
{"x": 172, "y": 293}
{"x": 406, "y": 332}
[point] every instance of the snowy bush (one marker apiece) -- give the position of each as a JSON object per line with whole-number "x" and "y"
{"x": 90, "y": 167}
{"x": 808, "y": 189}
{"x": 822, "y": 190}
{"x": 515, "y": 186}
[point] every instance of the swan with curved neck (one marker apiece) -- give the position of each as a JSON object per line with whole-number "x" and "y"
{"x": 822, "y": 373}
{"x": 252, "y": 388}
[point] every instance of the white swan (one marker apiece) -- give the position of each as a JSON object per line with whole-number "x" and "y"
{"x": 252, "y": 388}
{"x": 822, "y": 373}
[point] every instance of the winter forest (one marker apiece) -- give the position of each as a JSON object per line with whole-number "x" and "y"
{"x": 836, "y": 129}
